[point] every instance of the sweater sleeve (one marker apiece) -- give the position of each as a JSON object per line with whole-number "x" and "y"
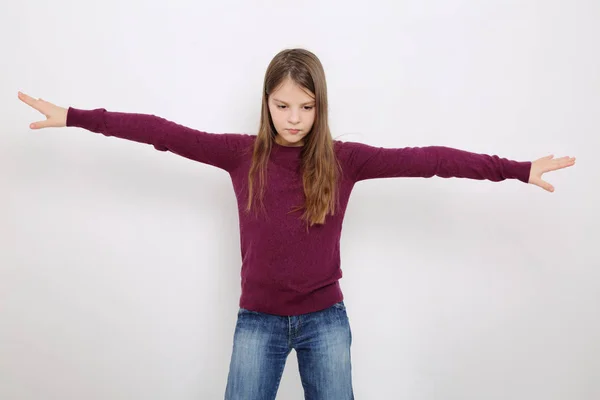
{"x": 219, "y": 150}
{"x": 368, "y": 162}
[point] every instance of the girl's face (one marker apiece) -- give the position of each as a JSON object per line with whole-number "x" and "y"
{"x": 292, "y": 110}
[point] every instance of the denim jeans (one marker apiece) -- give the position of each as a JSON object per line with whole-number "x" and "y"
{"x": 262, "y": 342}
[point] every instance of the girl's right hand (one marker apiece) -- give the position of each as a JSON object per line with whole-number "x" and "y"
{"x": 56, "y": 117}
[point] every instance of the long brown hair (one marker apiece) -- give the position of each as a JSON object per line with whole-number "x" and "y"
{"x": 320, "y": 167}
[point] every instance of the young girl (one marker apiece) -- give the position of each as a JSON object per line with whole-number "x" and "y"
{"x": 292, "y": 182}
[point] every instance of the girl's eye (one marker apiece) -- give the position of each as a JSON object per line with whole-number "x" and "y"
{"x": 307, "y": 108}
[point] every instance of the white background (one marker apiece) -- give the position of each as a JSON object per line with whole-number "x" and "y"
{"x": 119, "y": 264}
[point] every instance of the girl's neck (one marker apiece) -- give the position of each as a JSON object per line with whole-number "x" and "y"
{"x": 277, "y": 140}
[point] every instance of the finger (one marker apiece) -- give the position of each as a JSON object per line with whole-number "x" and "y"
{"x": 40, "y": 124}
{"x": 568, "y": 159}
{"x": 30, "y": 101}
{"x": 546, "y": 186}
{"x": 561, "y": 163}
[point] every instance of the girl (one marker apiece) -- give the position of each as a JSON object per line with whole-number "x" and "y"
{"x": 292, "y": 182}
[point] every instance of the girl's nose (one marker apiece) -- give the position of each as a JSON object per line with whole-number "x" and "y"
{"x": 294, "y": 117}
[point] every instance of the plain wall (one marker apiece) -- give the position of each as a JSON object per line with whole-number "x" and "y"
{"x": 119, "y": 264}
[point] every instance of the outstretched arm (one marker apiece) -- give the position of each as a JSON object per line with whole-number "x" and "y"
{"x": 220, "y": 150}
{"x": 368, "y": 162}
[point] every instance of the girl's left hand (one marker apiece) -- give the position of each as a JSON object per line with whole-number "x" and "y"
{"x": 547, "y": 164}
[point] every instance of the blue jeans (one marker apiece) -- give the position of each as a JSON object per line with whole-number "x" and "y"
{"x": 262, "y": 342}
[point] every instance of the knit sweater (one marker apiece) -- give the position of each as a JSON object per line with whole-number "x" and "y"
{"x": 286, "y": 269}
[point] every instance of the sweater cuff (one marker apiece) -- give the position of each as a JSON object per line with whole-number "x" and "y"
{"x": 92, "y": 120}
{"x": 519, "y": 170}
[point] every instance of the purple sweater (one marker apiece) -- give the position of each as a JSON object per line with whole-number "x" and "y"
{"x": 285, "y": 269}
